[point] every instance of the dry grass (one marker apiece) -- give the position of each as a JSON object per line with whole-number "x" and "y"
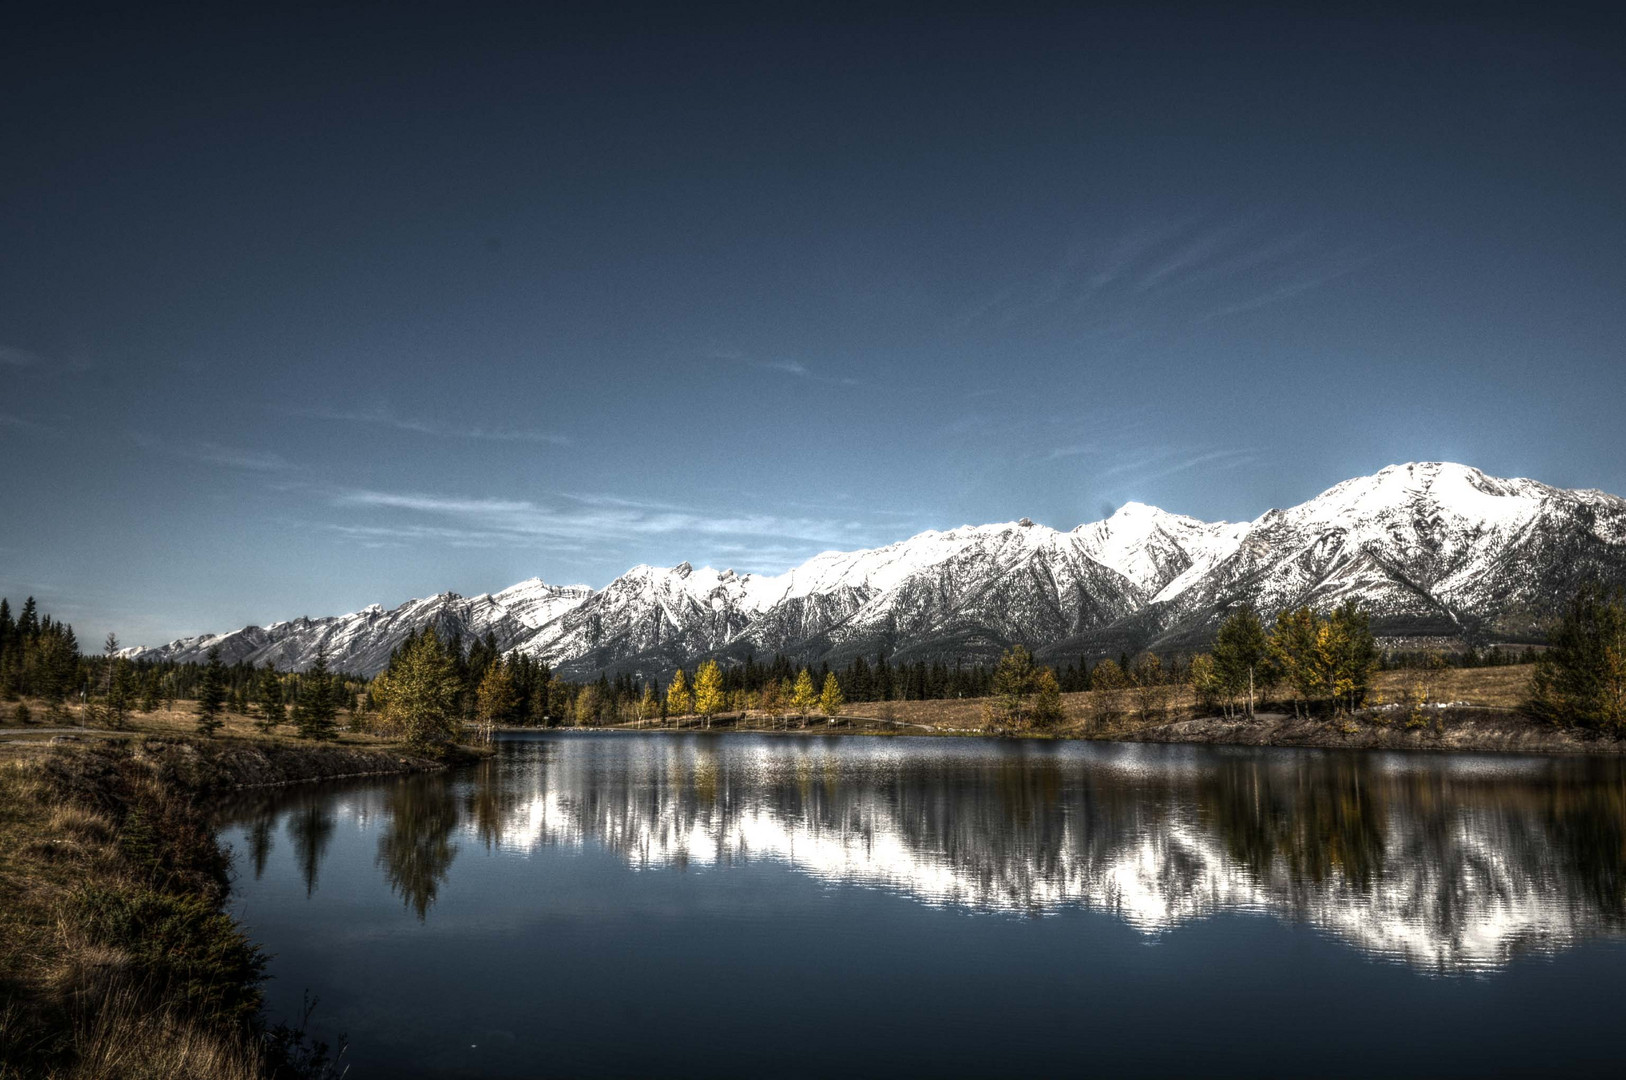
{"x": 1490, "y": 687}
{"x": 120, "y": 1037}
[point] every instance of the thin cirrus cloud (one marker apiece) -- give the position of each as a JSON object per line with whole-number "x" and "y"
{"x": 1188, "y": 270}
{"x": 576, "y": 520}
{"x": 213, "y": 453}
{"x": 384, "y": 417}
{"x": 781, "y": 366}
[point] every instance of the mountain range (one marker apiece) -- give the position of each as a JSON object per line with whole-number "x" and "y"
{"x": 1432, "y": 550}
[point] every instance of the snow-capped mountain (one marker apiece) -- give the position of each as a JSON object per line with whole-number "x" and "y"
{"x": 1431, "y": 549}
{"x": 361, "y": 642}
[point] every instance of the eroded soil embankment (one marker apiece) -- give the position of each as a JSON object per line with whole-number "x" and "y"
{"x": 1446, "y": 729}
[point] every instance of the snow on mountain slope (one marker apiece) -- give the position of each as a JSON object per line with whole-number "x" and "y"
{"x": 361, "y": 642}
{"x": 1428, "y": 548}
{"x": 535, "y": 603}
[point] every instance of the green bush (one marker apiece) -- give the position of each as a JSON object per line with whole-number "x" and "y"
{"x": 183, "y": 946}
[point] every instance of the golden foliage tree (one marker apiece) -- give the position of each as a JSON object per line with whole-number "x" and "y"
{"x": 420, "y": 693}
{"x": 496, "y": 698}
{"x": 803, "y": 696}
{"x": 679, "y": 697}
{"x": 709, "y": 697}
{"x": 830, "y": 699}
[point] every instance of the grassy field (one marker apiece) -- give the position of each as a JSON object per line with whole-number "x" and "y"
{"x": 117, "y": 958}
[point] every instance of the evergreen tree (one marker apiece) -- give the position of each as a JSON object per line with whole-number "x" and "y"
{"x": 1580, "y": 679}
{"x": 211, "y": 694}
{"x": 269, "y": 699}
{"x": 1241, "y": 654}
{"x": 316, "y": 705}
{"x": 709, "y": 697}
{"x": 150, "y": 691}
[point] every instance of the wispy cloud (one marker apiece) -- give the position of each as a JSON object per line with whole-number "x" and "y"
{"x": 1181, "y": 272}
{"x": 384, "y": 417}
{"x": 781, "y": 366}
{"x": 570, "y": 521}
{"x": 1168, "y": 462}
{"x": 213, "y": 453}
{"x": 235, "y": 458}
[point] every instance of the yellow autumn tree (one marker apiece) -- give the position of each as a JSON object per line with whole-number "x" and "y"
{"x": 709, "y": 697}
{"x": 496, "y": 698}
{"x": 830, "y": 699}
{"x": 679, "y": 698}
{"x": 803, "y": 696}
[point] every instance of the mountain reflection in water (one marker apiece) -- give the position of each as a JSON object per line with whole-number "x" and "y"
{"x": 1449, "y": 863}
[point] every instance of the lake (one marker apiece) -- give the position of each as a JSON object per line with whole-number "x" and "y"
{"x": 608, "y": 904}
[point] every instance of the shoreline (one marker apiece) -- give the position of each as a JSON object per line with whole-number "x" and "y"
{"x": 1449, "y": 730}
{"x": 116, "y": 939}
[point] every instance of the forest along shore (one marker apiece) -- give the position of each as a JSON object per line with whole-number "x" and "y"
{"x": 1466, "y": 709}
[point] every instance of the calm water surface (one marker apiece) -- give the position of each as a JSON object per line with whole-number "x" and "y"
{"x": 743, "y": 905}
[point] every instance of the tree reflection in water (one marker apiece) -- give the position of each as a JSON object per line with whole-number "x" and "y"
{"x": 416, "y": 849}
{"x": 1446, "y": 862}
{"x": 310, "y": 826}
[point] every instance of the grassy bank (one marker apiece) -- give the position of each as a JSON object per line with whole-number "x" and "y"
{"x": 117, "y": 958}
{"x": 1448, "y": 709}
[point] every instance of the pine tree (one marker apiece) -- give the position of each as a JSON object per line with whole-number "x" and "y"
{"x": 1580, "y": 679}
{"x": 1241, "y": 655}
{"x": 316, "y": 705}
{"x": 268, "y": 699}
{"x": 150, "y": 691}
{"x": 211, "y": 694}
{"x": 679, "y": 698}
{"x": 709, "y": 698}
{"x": 830, "y": 700}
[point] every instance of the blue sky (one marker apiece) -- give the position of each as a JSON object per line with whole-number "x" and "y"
{"x": 300, "y": 312}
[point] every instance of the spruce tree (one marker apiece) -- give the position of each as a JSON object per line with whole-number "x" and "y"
{"x": 211, "y": 694}
{"x": 316, "y": 707}
{"x": 1580, "y": 679}
{"x": 1241, "y": 654}
{"x": 268, "y": 699}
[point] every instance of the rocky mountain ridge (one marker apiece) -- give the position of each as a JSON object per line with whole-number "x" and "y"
{"x": 1430, "y": 549}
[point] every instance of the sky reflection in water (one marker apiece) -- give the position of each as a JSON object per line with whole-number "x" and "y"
{"x": 693, "y": 868}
